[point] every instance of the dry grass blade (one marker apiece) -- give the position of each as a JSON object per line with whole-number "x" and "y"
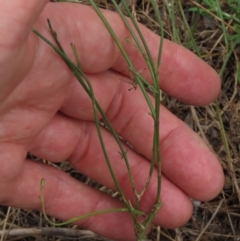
{"x": 209, "y": 222}
{"x": 52, "y": 231}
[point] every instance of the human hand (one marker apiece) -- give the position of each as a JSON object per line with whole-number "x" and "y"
{"x": 45, "y": 111}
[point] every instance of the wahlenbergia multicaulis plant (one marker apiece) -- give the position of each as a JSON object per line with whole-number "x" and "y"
{"x": 137, "y": 38}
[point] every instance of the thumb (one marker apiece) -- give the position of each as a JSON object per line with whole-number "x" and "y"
{"x": 16, "y": 20}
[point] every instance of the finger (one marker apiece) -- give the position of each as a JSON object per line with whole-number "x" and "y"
{"x": 186, "y": 161}
{"x": 20, "y": 187}
{"x": 182, "y": 74}
{"x": 82, "y": 140}
{"x": 64, "y": 198}
{"x": 21, "y": 22}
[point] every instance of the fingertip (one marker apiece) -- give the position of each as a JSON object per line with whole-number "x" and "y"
{"x": 187, "y": 77}
{"x": 176, "y": 206}
{"x": 188, "y": 162}
{"x": 206, "y": 180}
{"x": 209, "y": 85}
{"x": 212, "y": 182}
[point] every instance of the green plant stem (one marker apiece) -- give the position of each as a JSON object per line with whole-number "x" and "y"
{"x": 84, "y": 216}
{"x": 80, "y": 75}
{"x": 191, "y": 38}
{"x": 146, "y": 88}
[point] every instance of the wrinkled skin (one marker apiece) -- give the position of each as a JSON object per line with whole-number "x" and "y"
{"x": 45, "y": 111}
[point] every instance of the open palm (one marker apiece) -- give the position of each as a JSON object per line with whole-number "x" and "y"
{"x": 45, "y": 111}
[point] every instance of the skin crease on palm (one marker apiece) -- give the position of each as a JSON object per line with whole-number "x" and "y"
{"x": 45, "y": 111}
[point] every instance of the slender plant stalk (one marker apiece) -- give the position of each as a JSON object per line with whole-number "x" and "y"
{"x": 87, "y": 87}
{"x": 171, "y": 11}
{"x": 138, "y": 40}
{"x": 191, "y": 38}
{"x": 84, "y": 216}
